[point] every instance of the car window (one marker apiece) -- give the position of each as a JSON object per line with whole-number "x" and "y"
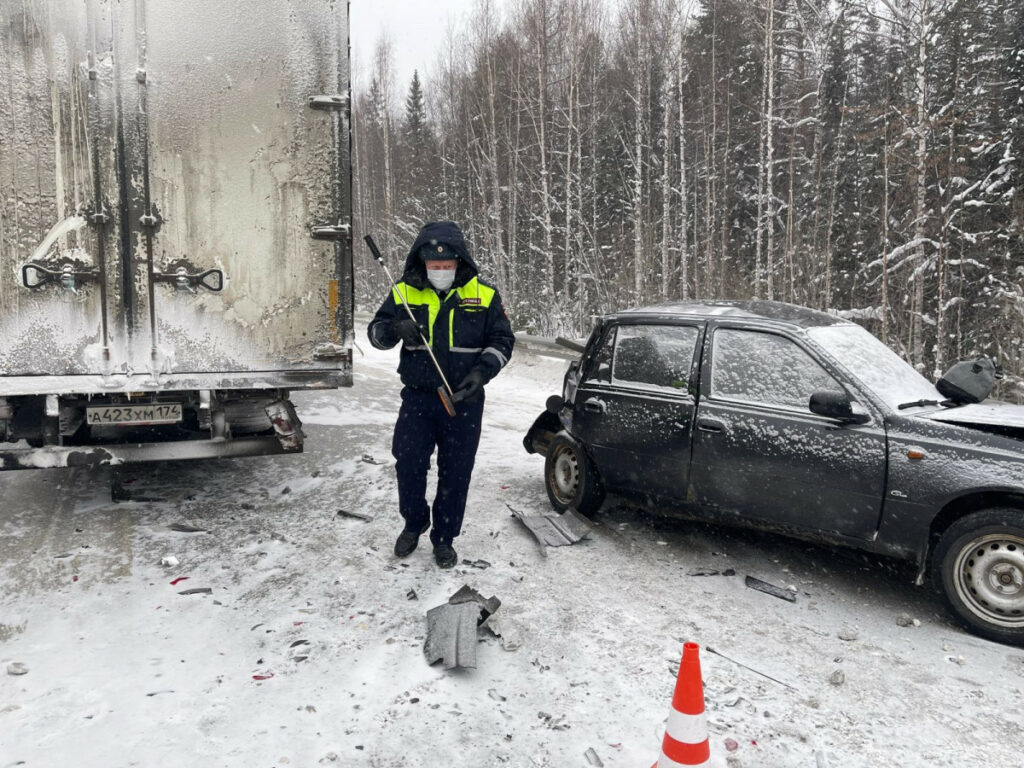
{"x": 600, "y": 366}
{"x": 764, "y": 368}
{"x": 657, "y": 356}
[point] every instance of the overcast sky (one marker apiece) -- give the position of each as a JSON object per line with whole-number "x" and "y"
{"x": 417, "y": 29}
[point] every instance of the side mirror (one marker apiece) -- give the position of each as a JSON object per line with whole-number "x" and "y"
{"x": 837, "y": 405}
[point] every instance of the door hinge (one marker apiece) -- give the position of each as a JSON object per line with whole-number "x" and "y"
{"x": 334, "y": 232}
{"x": 329, "y": 103}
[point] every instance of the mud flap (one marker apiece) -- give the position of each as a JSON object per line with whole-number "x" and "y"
{"x": 286, "y": 425}
{"x": 545, "y": 427}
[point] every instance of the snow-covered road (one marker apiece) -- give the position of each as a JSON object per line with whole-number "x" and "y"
{"x": 308, "y": 649}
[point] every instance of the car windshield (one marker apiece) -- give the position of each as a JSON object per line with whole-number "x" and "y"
{"x": 879, "y": 368}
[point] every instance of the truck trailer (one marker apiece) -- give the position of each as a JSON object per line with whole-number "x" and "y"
{"x": 175, "y": 226}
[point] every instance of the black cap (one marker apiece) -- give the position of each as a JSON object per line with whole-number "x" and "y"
{"x": 437, "y": 250}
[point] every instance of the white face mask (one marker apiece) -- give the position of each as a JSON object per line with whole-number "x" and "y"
{"x": 441, "y": 279}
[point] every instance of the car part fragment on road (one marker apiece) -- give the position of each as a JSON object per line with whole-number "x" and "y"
{"x": 755, "y": 671}
{"x": 197, "y": 591}
{"x": 770, "y": 589}
{"x": 452, "y": 628}
{"x": 182, "y": 528}
{"x": 356, "y": 515}
{"x": 554, "y": 530}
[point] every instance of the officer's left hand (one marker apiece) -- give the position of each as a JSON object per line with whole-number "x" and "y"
{"x": 470, "y": 387}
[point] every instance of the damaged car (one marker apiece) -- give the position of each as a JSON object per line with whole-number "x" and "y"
{"x": 780, "y": 417}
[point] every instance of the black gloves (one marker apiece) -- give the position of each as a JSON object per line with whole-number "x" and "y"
{"x": 409, "y": 331}
{"x": 470, "y": 387}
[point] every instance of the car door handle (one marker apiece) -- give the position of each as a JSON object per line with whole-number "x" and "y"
{"x": 710, "y": 425}
{"x": 595, "y": 405}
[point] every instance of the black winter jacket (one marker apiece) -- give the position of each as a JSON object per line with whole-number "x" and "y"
{"x": 467, "y": 326}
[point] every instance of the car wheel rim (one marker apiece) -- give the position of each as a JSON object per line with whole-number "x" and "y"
{"x": 565, "y": 475}
{"x": 989, "y": 579}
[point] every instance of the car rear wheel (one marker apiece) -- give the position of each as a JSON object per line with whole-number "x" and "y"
{"x": 979, "y": 567}
{"x": 570, "y": 477}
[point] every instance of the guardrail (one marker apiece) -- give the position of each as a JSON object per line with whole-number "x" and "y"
{"x": 540, "y": 345}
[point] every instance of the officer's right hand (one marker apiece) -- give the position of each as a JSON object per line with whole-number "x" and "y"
{"x": 409, "y": 332}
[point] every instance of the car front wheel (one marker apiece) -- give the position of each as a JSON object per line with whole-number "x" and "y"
{"x": 979, "y": 567}
{"x": 570, "y": 477}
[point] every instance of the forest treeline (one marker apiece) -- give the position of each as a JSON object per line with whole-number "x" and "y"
{"x": 859, "y": 156}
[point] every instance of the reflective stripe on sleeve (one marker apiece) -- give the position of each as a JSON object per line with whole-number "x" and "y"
{"x": 502, "y": 360}
{"x": 375, "y": 331}
{"x": 467, "y": 350}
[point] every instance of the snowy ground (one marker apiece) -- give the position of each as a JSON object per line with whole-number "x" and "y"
{"x": 123, "y": 670}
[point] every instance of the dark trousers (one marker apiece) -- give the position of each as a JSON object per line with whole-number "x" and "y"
{"x": 423, "y": 424}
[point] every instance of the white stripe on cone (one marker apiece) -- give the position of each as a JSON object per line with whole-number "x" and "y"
{"x": 689, "y": 729}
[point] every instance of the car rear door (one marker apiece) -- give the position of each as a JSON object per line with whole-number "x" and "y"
{"x": 635, "y": 405}
{"x": 760, "y": 453}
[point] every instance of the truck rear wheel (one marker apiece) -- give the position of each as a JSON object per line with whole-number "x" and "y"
{"x": 570, "y": 477}
{"x": 979, "y": 567}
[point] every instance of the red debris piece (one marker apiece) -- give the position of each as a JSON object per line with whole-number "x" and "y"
{"x": 75, "y": 577}
{"x": 297, "y": 623}
{"x": 731, "y": 745}
{"x": 505, "y": 487}
{"x": 178, "y": 580}
{"x": 752, "y": 741}
{"x": 267, "y": 676}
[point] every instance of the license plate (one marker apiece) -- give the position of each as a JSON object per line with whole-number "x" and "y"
{"x": 122, "y": 415}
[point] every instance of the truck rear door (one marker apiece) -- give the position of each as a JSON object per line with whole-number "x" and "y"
{"x": 192, "y": 162}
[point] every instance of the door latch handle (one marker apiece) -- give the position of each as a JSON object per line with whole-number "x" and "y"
{"x": 68, "y": 275}
{"x": 710, "y": 425}
{"x": 183, "y": 280}
{"x": 594, "y": 405}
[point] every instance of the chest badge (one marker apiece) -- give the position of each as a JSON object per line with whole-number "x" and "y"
{"x": 470, "y": 301}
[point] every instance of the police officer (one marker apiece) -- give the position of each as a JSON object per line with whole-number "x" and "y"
{"x": 463, "y": 320}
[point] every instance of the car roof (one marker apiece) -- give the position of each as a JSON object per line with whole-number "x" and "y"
{"x": 774, "y": 312}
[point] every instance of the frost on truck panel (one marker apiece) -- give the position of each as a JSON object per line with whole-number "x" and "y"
{"x": 195, "y": 138}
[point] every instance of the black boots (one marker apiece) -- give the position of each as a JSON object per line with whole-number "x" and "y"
{"x": 407, "y": 541}
{"x": 444, "y": 556}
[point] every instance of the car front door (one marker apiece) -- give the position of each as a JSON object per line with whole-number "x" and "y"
{"x": 635, "y": 405}
{"x": 760, "y": 453}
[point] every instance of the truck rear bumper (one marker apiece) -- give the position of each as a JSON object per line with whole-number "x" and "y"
{"x": 91, "y": 456}
{"x": 327, "y": 378}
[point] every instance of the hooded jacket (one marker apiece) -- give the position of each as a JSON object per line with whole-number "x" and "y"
{"x": 467, "y": 326}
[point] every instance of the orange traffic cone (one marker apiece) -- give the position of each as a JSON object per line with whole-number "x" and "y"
{"x": 686, "y": 734}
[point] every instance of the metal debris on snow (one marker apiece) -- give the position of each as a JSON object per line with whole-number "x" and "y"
{"x": 197, "y": 591}
{"x": 592, "y": 758}
{"x": 370, "y": 460}
{"x": 709, "y": 649}
{"x": 770, "y": 589}
{"x": 411, "y": 595}
{"x": 169, "y": 562}
{"x": 17, "y": 668}
{"x": 182, "y": 528}
{"x": 481, "y": 564}
{"x": 452, "y": 628}
{"x": 357, "y": 515}
{"x": 710, "y": 572}
{"x": 554, "y": 530}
